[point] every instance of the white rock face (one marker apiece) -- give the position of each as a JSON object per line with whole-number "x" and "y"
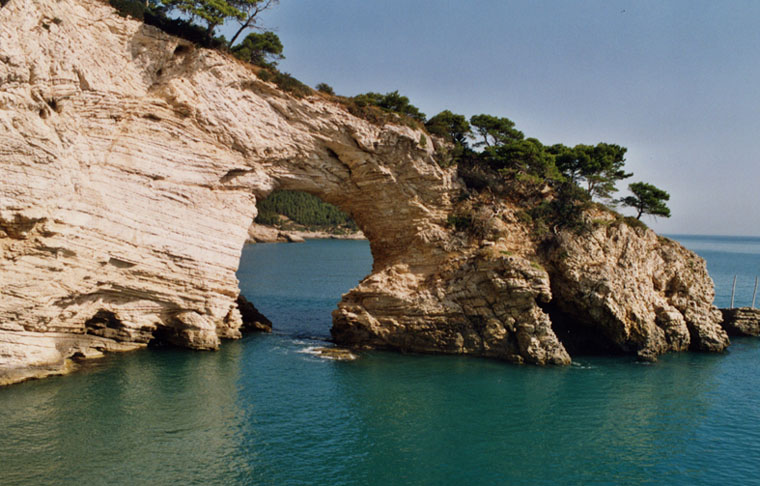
{"x": 131, "y": 163}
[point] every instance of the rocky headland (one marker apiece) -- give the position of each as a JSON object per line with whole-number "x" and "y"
{"x": 131, "y": 164}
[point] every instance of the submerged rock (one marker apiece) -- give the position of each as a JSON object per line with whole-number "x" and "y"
{"x": 131, "y": 165}
{"x": 338, "y": 354}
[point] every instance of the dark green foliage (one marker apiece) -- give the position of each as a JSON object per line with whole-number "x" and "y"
{"x": 607, "y": 161}
{"x": 325, "y": 88}
{"x": 392, "y": 102}
{"x": 371, "y": 113}
{"x": 453, "y": 128}
{"x": 571, "y": 161}
{"x": 200, "y": 18}
{"x": 131, "y": 8}
{"x": 647, "y": 199}
{"x": 598, "y": 166}
{"x": 479, "y": 176}
{"x": 260, "y": 49}
{"x": 634, "y": 222}
{"x": 460, "y": 222}
{"x": 302, "y": 208}
{"x": 564, "y": 211}
{"x": 182, "y": 28}
{"x": 212, "y": 13}
{"x": 250, "y": 9}
{"x": 494, "y": 130}
{"x": 155, "y": 14}
{"x": 285, "y": 82}
{"x": 522, "y": 157}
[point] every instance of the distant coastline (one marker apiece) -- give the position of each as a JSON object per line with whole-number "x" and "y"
{"x": 259, "y": 233}
{"x": 676, "y": 236}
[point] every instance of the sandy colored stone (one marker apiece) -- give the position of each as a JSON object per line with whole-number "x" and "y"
{"x": 131, "y": 164}
{"x": 639, "y": 292}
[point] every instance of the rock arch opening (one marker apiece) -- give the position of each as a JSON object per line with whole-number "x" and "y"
{"x": 299, "y": 284}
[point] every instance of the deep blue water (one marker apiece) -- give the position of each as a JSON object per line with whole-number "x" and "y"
{"x": 264, "y": 410}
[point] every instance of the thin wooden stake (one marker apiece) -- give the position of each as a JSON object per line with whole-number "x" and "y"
{"x": 733, "y": 290}
{"x": 754, "y": 294}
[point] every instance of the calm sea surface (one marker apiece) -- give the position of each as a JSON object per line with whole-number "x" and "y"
{"x": 264, "y": 410}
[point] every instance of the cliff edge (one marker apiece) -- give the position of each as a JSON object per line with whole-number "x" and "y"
{"x": 131, "y": 164}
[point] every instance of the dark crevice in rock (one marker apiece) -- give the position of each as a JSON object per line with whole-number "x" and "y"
{"x": 101, "y": 322}
{"x": 253, "y": 320}
{"x": 164, "y": 336}
{"x": 119, "y": 263}
{"x": 579, "y": 338}
{"x": 107, "y": 324}
{"x": 182, "y": 49}
{"x": 694, "y": 338}
{"x": 233, "y": 174}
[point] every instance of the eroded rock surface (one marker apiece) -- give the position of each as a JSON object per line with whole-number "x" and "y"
{"x": 636, "y": 291}
{"x": 741, "y": 321}
{"x": 131, "y": 162}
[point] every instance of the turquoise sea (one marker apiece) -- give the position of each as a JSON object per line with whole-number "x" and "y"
{"x": 264, "y": 410}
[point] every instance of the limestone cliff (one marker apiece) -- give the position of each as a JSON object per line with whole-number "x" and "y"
{"x": 131, "y": 162}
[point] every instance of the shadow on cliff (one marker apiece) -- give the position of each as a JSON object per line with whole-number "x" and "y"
{"x": 579, "y": 338}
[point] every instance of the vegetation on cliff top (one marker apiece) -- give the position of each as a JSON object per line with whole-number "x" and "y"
{"x": 554, "y": 183}
{"x": 647, "y": 199}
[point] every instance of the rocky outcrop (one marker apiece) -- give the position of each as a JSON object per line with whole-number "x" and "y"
{"x": 741, "y": 321}
{"x": 131, "y": 163}
{"x": 253, "y": 320}
{"x": 634, "y": 291}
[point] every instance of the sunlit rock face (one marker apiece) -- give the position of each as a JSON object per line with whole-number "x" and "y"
{"x": 131, "y": 163}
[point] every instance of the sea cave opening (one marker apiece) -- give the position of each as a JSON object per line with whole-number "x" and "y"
{"x": 302, "y": 255}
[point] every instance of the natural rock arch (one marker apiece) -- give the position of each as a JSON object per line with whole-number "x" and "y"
{"x": 141, "y": 158}
{"x": 131, "y": 163}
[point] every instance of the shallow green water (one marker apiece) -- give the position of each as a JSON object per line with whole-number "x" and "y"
{"x": 265, "y": 411}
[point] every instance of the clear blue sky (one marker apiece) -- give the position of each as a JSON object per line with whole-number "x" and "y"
{"x": 677, "y": 82}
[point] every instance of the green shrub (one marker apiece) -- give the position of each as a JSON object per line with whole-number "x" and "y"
{"x": 156, "y": 16}
{"x": 524, "y": 217}
{"x": 564, "y": 211}
{"x": 130, "y": 8}
{"x": 392, "y": 102}
{"x": 460, "y": 222}
{"x": 371, "y": 113}
{"x": 284, "y": 81}
{"x": 260, "y": 49}
{"x": 325, "y": 88}
{"x": 635, "y": 223}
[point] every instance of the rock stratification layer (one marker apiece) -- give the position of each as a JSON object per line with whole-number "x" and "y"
{"x": 741, "y": 321}
{"x": 131, "y": 162}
